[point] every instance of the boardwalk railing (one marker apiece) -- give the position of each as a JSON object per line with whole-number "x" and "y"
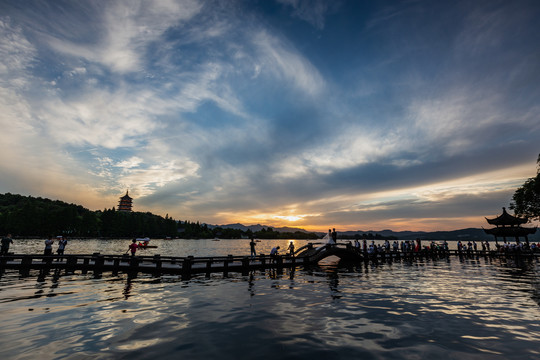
{"x": 187, "y": 266}
{"x": 184, "y": 266}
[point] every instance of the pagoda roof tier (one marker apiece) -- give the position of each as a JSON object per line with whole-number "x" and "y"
{"x": 505, "y": 219}
{"x": 126, "y": 197}
{"x": 510, "y": 231}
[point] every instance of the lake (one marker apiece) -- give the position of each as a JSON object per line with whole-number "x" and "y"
{"x": 447, "y": 309}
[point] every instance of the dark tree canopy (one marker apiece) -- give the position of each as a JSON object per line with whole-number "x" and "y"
{"x": 27, "y": 216}
{"x": 526, "y": 199}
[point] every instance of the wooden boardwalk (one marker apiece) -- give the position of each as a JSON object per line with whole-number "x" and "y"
{"x": 188, "y": 266}
{"x": 157, "y": 265}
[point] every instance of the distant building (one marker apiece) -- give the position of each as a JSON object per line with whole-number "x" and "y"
{"x": 125, "y": 203}
{"x": 509, "y": 226}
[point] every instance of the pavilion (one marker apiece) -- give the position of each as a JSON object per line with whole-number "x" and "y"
{"x": 509, "y": 226}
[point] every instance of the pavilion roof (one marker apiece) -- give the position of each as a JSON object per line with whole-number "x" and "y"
{"x": 506, "y": 219}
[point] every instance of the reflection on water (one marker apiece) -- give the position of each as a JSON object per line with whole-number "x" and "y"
{"x": 456, "y": 308}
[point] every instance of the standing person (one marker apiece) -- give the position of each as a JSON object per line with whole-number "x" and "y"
{"x": 6, "y": 240}
{"x": 62, "y": 242}
{"x": 133, "y": 247}
{"x": 291, "y": 248}
{"x": 364, "y": 241}
{"x": 48, "y": 246}
{"x": 252, "y": 247}
{"x": 334, "y": 235}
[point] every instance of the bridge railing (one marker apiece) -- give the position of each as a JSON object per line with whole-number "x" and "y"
{"x": 151, "y": 264}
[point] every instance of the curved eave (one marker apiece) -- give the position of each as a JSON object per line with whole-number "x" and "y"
{"x": 506, "y": 219}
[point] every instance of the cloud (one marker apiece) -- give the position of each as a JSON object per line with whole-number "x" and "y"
{"x": 145, "y": 180}
{"x": 130, "y": 163}
{"x": 216, "y": 112}
{"x": 128, "y": 28}
{"x": 288, "y": 64}
{"x": 17, "y": 55}
{"x": 100, "y": 118}
{"x": 311, "y": 11}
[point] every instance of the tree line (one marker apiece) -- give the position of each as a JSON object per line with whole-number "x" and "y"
{"x": 27, "y": 216}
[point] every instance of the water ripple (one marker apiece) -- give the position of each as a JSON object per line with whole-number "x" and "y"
{"x": 471, "y": 309}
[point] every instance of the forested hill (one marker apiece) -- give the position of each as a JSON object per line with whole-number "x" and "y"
{"x": 30, "y": 216}
{"x": 27, "y": 216}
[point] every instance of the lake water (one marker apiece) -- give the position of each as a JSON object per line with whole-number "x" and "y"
{"x": 446, "y": 309}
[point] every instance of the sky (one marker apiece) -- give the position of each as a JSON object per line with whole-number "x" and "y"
{"x": 358, "y": 115}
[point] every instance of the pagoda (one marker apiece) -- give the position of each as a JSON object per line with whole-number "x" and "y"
{"x": 507, "y": 225}
{"x": 125, "y": 203}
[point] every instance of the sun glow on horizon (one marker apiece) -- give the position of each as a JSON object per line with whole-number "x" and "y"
{"x": 290, "y": 218}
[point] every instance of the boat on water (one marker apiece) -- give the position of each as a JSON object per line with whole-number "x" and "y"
{"x": 144, "y": 243}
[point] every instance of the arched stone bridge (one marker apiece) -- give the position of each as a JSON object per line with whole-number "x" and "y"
{"x": 315, "y": 254}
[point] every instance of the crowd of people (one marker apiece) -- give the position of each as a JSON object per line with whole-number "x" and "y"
{"x": 403, "y": 246}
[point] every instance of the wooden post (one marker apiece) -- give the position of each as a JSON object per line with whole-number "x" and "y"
{"x": 134, "y": 266}
{"x": 48, "y": 260}
{"x": 279, "y": 264}
{"x": 71, "y": 263}
{"x": 186, "y": 268}
{"x": 26, "y": 263}
{"x": 99, "y": 261}
{"x": 279, "y": 261}
{"x": 245, "y": 266}
{"x": 116, "y": 266}
{"x": 157, "y": 260}
{"x": 86, "y": 263}
{"x": 263, "y": 260}
{"x": 209, "y": 266}
{"x": 226, "y": 265}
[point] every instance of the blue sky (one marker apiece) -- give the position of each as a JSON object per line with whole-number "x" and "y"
{"x": 360, "y": 115}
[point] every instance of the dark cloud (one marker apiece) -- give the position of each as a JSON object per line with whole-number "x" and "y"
{"x": 204, "y": 109}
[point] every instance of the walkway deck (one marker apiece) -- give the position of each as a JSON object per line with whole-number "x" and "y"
{"x": 188, "y": 266}
{"x": 184, "y": 266}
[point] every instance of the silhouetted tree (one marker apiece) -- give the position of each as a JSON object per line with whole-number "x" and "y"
{"x": 526, "y": 199}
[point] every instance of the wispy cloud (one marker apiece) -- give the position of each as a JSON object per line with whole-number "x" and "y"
{"x": 128, "y": 28}
{"x": 313, "y": 11}
{"x": 283, "y": 61}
